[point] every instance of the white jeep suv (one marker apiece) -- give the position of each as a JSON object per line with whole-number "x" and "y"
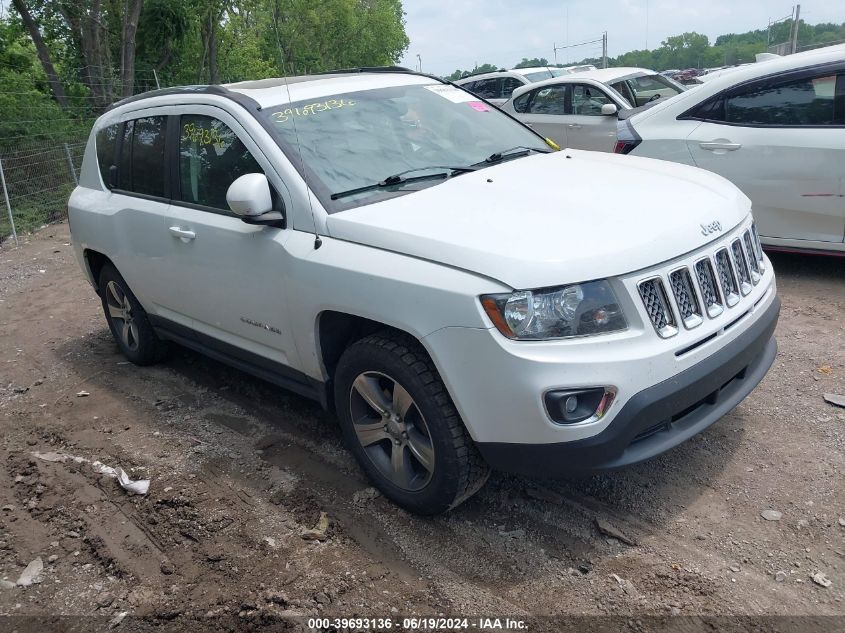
{"x": 462, "y": 296}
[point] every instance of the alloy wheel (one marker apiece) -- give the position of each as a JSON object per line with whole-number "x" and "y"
{"x": 120, "y": 312}
{"x": 392, "y": 430}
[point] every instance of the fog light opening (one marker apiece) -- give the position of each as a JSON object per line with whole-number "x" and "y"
{"x": 571, "y": 406}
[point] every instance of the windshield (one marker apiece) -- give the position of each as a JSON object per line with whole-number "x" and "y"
{"x": 539, "y": 75}
{"x": 649, "y": 87}
{"x": 356, "y": 139}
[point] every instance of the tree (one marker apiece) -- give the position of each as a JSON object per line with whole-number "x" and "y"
{"x": 529, "y": 63}
{"x": 132, "y": 13}
{"x": 43, "y": 52}
{"x": 484, "y": 68}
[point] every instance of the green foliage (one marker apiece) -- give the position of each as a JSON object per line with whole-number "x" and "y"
{"x": 484, "y": 68}
{"x": 27, "y": 111}
{"x": 693, "y": 50}
{"x": 530, "y": 63}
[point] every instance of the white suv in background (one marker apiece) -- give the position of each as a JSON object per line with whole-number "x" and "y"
{"x": 424, "y": 265}
{"x": 776, "y": 129}
{"x": 497, "y": 87}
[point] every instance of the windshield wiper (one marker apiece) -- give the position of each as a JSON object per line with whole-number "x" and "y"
{"x": 400, "y": 179}
{"x": 512, "y": 152}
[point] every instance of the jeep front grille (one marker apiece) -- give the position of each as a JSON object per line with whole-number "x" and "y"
{"x": 751, "y": 252}
{"x": 657, "y": 305}
{"x": 705, "y": 287}
{"x": 709, "y": 288}
{"x": 759, "y": 247}
{"x": 685, "y": 297}
{"x": 727, "y": 277}
{"x": 741, "y": 267}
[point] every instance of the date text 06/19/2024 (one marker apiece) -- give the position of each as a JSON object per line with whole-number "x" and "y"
{"x": 418, "y": 624}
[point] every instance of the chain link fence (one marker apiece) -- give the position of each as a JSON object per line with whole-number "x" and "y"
{"x": 38, "y": 177}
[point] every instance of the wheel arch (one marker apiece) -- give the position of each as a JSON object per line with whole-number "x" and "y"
{"x": 337, "y": 330}
{"x": 95, "y": 261}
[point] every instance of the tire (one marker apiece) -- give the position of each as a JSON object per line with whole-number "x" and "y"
{"x": 400, "y": 423}
{"x": 128, "y": 321}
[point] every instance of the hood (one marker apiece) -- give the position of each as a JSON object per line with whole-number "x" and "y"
{"x": 548, "y": 219}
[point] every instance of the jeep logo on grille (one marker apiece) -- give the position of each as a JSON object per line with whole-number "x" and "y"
{"x": 713, "y": 227}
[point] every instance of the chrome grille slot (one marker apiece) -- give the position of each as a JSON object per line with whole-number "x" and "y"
{"x": 685, "y": 297}
{"x": 751, "y": 254}
{"x": 656, "y": 302}
{"x": 741, "y": 267}
{"x": 759, "y": 247}
{"x": 727, "y": 277}
{"x": 709, "y": 288}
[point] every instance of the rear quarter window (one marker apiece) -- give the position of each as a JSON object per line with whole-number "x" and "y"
{"x": 106, "y": 146}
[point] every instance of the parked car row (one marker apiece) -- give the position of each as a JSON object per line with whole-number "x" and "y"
{"x": 775, "y": 128}
{"x": 580, "y": 110}
{"x": 497, "y": 87}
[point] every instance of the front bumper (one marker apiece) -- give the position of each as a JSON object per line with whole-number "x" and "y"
{"x": 658, "y": 418}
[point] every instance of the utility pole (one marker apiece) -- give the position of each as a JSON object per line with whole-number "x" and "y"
{"x": 420, "y": 61}
{"x": 604, "y": 50}
{"x": 796, "y": 22}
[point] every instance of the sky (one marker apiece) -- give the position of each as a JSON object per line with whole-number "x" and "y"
{"x": 448, "y": 35}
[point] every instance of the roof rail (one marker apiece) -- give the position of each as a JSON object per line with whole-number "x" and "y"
{"x": 484, "y": 72}
{"x": 368, "y": 69}
{"x": 209, "y": 89}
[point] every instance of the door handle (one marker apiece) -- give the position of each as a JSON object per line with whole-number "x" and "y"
{"x": 183, "y": 234}
{"x": 720, "y": 145}
{"x": 573, "y": 126}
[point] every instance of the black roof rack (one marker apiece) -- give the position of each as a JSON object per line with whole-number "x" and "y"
{"x": 484, "y": 72}
{"x": 213, "y": 89}
{"x": 368, "y": 69}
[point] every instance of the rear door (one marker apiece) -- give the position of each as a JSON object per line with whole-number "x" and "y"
{"x": 543, "y": 110}
{"x": 587, "y": 127}
{"x": 782, "y": 141}
{"x": 139, "y": 201}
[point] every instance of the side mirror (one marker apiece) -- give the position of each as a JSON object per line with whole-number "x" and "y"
{"x": 609, "y": 109}
{"x": 249, "y": 195}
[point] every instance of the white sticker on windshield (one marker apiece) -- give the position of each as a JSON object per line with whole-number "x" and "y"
{"x": 455, "y": 95}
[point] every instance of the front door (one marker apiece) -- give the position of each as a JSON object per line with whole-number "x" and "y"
{"x": 587, "y": 127}
{"x": 226, "y": 279}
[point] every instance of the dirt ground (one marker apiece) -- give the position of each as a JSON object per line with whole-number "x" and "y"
{"x": 240, "y": 470}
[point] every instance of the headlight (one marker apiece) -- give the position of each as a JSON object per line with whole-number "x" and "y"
{"x": 548, "y": 313}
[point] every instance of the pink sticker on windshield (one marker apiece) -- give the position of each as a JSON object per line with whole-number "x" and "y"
{"x": 478, "y": 105}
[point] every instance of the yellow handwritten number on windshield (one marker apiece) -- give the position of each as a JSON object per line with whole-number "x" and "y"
{"x": 312, "y": 108}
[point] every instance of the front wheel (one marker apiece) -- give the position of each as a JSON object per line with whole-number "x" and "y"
{"x": 402, "y": 426}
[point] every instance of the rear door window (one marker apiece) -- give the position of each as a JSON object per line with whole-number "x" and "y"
{"x": 488, "y": 88}
{"x": 141, "y": 165}
{"x": 808, "y": 101}
{"x": 211, "y": 157}
{"x": 551, "y": 100}
{"x": 148, "y": 156}
{"x": 509, "y": 84}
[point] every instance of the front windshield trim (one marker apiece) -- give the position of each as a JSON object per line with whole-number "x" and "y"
{"x": 324, "y": 195}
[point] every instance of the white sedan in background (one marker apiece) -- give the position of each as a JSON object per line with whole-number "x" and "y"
{"x": 776, "y": 129}
{"x": 572, "y": 111}
{"x": 579, "y": 110}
